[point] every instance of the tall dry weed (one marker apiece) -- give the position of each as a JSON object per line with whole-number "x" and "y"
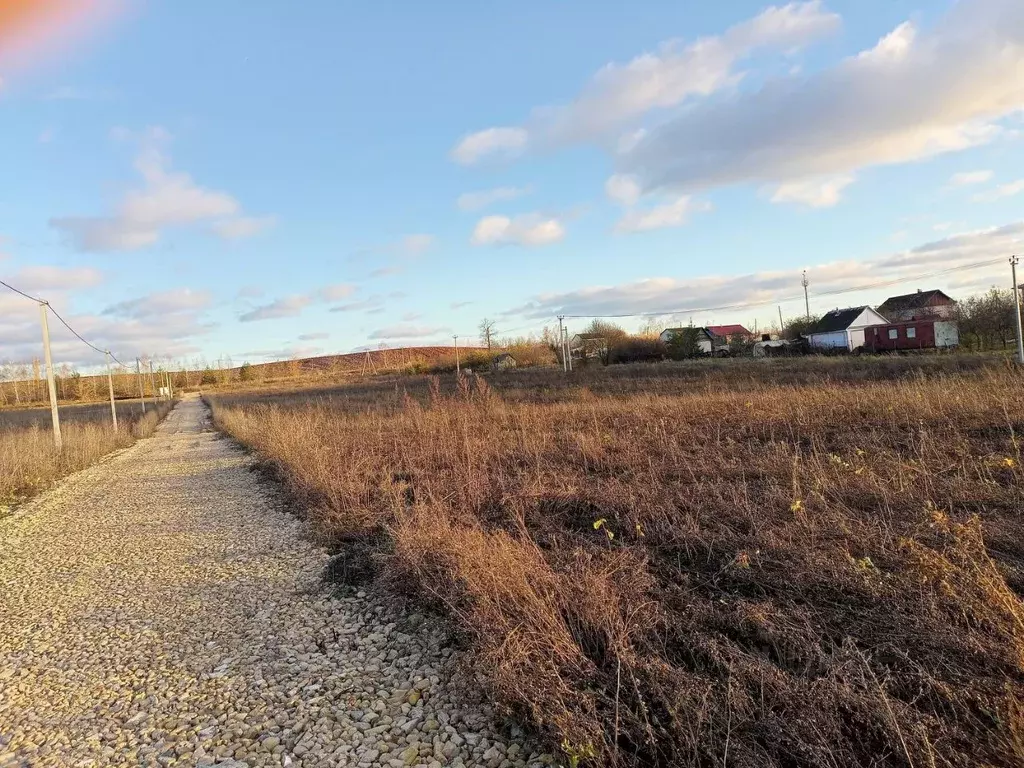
{"x": 792, "y": 573}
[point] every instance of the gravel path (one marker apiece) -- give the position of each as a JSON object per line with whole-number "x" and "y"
{"x": 159, "y": 609}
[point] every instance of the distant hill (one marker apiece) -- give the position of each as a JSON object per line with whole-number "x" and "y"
{"x": 357, "y": 362}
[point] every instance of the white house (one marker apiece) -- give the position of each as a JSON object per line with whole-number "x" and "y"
{"x": 843, "y": 328}
{"x": 702, "y": 339}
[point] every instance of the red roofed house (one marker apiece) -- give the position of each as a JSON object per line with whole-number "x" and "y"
{"x": 730, "y": 332}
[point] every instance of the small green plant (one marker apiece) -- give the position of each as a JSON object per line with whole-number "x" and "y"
{"x": 578, "y": 752}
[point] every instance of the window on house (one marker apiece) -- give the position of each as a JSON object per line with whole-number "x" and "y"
{"x": 911, "y": 333}
{"x": 894, "y": 333}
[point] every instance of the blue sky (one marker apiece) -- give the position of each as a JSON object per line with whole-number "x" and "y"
{"x": 262, "y": 180}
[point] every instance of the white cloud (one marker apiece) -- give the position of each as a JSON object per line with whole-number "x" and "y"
{"x": 474, "y": 201}
{"x": 622, "y": 93}
{"x": 671, "y": 214}
{"x": 1003, "y": 190}
{"x": 166, "y": 199}
{"x": 622, "y": 189}
{"x": 911, "y": 97}
{"x": 474, "y": 146}
{"x": 668, "y": 296}
{"x": 530, "y": 229}
{"x": 406, "y": 331}
{"x": 289, "y": 306}
{"x": 967, "y": 178}
{"x": 416, "y": 245}
{"x": 292, "y": 306}
{"x": 370, "y": 303}
{"x": 335, "y": 292}
{"x": 161, "y": 303}
{"x": 319, "y": 336}
{"x": 242, "y": 226}
{"x": 41, "y": 280}
{"x": 815, "y": 193}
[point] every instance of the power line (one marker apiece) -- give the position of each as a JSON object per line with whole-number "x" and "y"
{"x": 64, "y": 322}
{"x": 749, "y": 305}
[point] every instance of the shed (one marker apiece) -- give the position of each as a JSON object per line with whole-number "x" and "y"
{"x": 583, "y": 345}
{"x": 504, "y": 361}
{"x": 922, "y": 305}
{"x": 916, "y": 334}
{"x": 843, "y": 328}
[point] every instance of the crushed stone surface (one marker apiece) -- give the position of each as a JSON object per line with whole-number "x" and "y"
{"x": 160, "y": 609}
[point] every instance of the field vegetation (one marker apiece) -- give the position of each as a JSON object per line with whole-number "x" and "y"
{"x": 785, "y": 563}
{"x": 29, "y": 461}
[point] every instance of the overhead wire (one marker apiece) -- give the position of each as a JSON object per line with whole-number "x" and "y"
{"x": 795, "y": 297}
{"x": 64, "y": 322}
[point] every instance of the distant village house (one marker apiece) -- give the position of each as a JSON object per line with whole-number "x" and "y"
{"x": 922, "y": 305}
{"x": 730, "y": 332}
{"x": 700, "y": 339}
{"x": 843, "y": 328}
{"x": 505, "y": 361}
{"x": 587, "y": 345}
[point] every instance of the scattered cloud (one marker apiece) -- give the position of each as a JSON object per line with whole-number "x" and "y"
{"x": 320, "y": 336}
{"x": 166, "y": 199}
{"x": 242, "y": 226}
{"x": 401, "y": 251}
{"x": 912, "y": 96}
{"x": 474, "y": 201}
{"x": 672, "y": 214}
{"x": 531, "y": 229}
{"x": 161, "y": 303}
{"x": 620, "y": 94}
{"x": 815, "y": 193}
{"x": 622, "y": 189}
{"x": 669, "y": 296}
{"x": 405, "y": 331}
{"x": 1003, "y": 190}
{"x": 289, "y": 306}
{"x": 394, "y": 269}
{"x": 409, "y": 317}
{"x": 47, "y": 135}
{"x": 416, "y": 245}
{"x": 472, "y": 147}
{"x": 40, "y": 280}
{"x": 459, "y": 304}
{"x": 370, "y": 303}
{"x": 967, "y": 178}
{"x": 250, "y": 292}
{"x": 292, "y": 306}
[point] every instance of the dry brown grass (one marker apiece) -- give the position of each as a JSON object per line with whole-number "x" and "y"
{"x": 817, "y": 572}
{"x": 29, "y": 461}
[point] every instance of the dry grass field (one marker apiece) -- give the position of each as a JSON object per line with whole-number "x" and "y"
{"x": 737, "y": 563}
{"x": 29, "y": 462}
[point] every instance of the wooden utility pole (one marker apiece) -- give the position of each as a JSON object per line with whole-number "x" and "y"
{"x": 1016, "y": 303}
{"x": 142, "y": 385}
{"x": 54, "y": 414}
{"x": 110, "y": 388}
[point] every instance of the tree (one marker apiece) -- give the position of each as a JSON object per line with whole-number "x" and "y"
{"x": 486, "y": 328}
{"x": 246, "y": 372}
{"x": 986, "y": 321}
{"x": 684, "y": 343}
{"x": 795, "y": 327}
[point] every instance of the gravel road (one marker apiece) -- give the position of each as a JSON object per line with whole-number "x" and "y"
{"x": 160, "y": 609}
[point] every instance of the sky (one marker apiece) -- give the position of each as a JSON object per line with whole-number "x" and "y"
{"x": 257, "y": 181}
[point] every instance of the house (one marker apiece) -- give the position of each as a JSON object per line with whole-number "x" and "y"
{"x": 923, "y": 305}
{"x": 701, "y": 340}
{"x": 504, "y": 361}
{"x": 584, "y": 345}
{"x": 731, "y": 332}
{"x": 843, "y": 328}
{"x": 916, "y": 334}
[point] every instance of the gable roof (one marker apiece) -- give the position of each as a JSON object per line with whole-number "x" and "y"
{"x": 916, "y": 300}
{"x": 685, "y": 329}
{"x": 588, "y": 336}
{"x": 728, "y": 330}
{"x": 836, "y": 320}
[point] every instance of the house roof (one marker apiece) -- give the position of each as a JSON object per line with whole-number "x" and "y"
{"x": 836, "y": 320}
{"x": 728, "y": 330}
{"x": 504, "y": 356}
{"x": 916, "y": 300}
{"x": 588, "y": 336}
{"x": 692, "y": 328}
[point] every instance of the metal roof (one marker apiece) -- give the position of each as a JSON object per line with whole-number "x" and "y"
{"x": 836, "y": 320}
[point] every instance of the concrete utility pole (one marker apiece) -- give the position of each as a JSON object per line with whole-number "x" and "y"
{"x": 110, "y": 387}
{"x": 170, "y": 385}
{"x": 54, "y": 414}
{"x": 458, "y": 369}
{"x": 568, "y": 350}
{"x": 152, "y": 381}
{"x": 807, "y": 303}
{"x": 142, "y": 385}
{"x": 1016, "y": 304}
{"x": 782, "y": 325}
